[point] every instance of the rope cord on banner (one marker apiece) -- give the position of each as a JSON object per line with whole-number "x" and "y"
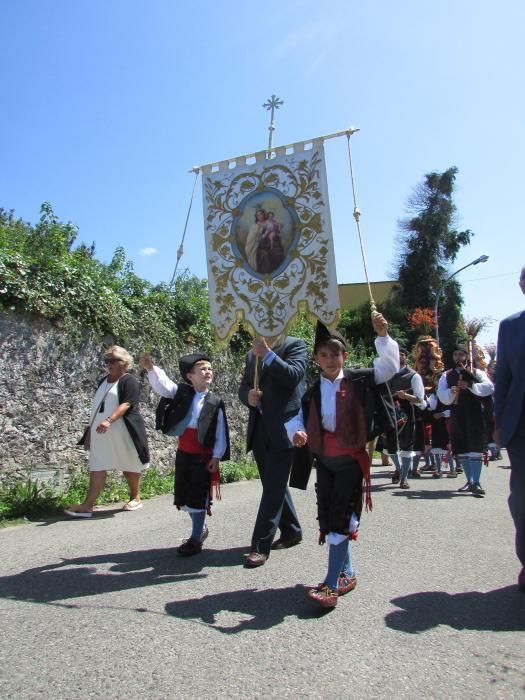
{"x": 357, "y": 216}
{"x": 180, "y": 250}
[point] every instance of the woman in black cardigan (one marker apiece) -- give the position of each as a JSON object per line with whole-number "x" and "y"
{"x": 117, "y": 434}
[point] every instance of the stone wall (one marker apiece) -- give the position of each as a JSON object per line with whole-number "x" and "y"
{"x": 47, "y": 382}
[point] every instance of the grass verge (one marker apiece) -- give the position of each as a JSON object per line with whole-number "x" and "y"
{"x": 26, "y": 498}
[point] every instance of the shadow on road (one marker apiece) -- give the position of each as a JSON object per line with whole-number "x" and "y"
{"x": 430, "y": 495}
{"x": 98, "y": 514}
{"x": 419, "y": 494}
{"x": 501, "y": 610}
{"x": 249, "y": 609}
{"x": 413, "y": 493}
{"x": 106, "y": 573}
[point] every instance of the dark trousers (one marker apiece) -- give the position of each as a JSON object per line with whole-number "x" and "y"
{"x": 276, "y": 509}
{"x": 516, "y": 451}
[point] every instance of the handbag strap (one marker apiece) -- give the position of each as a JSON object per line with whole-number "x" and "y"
{"x": 102, "y": 401}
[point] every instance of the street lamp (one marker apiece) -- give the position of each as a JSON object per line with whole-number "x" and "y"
{"x": 481, "y": 259}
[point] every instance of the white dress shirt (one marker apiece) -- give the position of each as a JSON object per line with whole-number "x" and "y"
{"x": 483, "y": 387}
{"x": 164, "y": 386}
{"x": 385, "y": 366}
{"x": 432, "y": 402}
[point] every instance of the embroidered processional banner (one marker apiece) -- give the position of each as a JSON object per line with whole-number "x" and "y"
{"x": 269, "y": 242}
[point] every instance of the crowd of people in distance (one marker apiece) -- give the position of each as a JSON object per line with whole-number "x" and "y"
{"x": 450, "y": 424}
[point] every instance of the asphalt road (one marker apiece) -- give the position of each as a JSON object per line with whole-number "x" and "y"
{"x": 105, "y": 608}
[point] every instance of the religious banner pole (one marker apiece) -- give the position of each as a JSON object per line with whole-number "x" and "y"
{"x": 325, "y": 137}
{"x": 357, "y": 217}
{"x": 180, "y": 250}
{"x": 271, "y": 105}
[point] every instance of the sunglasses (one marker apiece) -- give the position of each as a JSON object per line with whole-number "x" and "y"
{"x": 111, "y": 360}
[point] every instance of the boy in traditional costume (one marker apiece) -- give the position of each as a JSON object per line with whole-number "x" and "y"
{"x": 339, "y": 413}
{"x": 194, "y": 414}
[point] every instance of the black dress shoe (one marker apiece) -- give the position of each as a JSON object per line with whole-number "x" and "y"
{"x": 285, "y": 542}
{"x": 477, "y": 491}
{"x": 255, "y": 559}
{"x": 521, "y": 580}
{"x": 189, "y": 548}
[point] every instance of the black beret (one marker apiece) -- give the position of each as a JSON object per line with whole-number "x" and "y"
{"x": 186, "y": 362}
{"x": 323, "y": 335}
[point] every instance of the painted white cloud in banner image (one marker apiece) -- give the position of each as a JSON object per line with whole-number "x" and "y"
{"x": 269, "y": 243}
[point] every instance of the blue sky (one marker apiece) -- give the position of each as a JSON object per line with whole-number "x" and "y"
{"x": 107, "y": 104}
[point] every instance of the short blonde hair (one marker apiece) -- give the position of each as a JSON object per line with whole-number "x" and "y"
{"x": 121, "y": 354}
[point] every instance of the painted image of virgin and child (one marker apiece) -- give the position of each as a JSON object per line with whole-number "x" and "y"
{"x": 264, "y": 247}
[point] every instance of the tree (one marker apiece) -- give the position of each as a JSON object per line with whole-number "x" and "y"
{"x": 428, "y": 244}
{"x": 356, "y": 325}
{"x": 41, "y": 273}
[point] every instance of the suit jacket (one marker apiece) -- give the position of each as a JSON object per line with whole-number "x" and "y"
{"x": 510, "y": 375}
{"x": 282, "y": 384}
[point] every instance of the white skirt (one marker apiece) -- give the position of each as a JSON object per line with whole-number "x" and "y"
{"x": 113, "y": 449}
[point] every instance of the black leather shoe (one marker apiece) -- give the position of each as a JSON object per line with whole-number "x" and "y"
{"x": 477, "y": 491}
{"x": 285, "y": 542}
{"x": 255, "y": 559}
{"x": 189, "y": 548}
{"x": 521, "y": 580}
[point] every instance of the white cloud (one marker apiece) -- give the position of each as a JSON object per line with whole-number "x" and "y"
{"x": 148, "y": 251}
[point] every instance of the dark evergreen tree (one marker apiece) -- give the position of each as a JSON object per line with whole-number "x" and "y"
{"x": 428, "y": 244}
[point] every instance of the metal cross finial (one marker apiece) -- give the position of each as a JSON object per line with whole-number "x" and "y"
{"x": 273, "y": 104}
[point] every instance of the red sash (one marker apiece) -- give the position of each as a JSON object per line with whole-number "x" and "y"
{"x": 188, "y": 442}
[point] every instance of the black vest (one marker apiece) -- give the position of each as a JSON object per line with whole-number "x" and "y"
{"x": 377, "y": 405}
{"x": 374, "y": 398}
{"x": 402, "y": 381}
{"x": 170, "y": 412}
{"x": 465, "y": 400}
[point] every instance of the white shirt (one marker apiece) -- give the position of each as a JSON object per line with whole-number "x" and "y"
{"x": 483, "y": 387}
{"x": 164, "y": 386}
{"x": 432, "y": 402}
{"x": 418, "y": 390}
{"x": 385, "y": 366}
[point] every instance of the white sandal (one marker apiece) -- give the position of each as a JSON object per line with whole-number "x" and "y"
{"x": 78, "y": 513}
{"x": 135, "y": 504}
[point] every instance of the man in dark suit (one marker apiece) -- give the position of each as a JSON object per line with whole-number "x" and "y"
{"x": 272, "y": 386}
{"x": 510, "y": 416}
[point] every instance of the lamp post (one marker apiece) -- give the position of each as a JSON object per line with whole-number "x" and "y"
{"x": 481, "y": 259}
